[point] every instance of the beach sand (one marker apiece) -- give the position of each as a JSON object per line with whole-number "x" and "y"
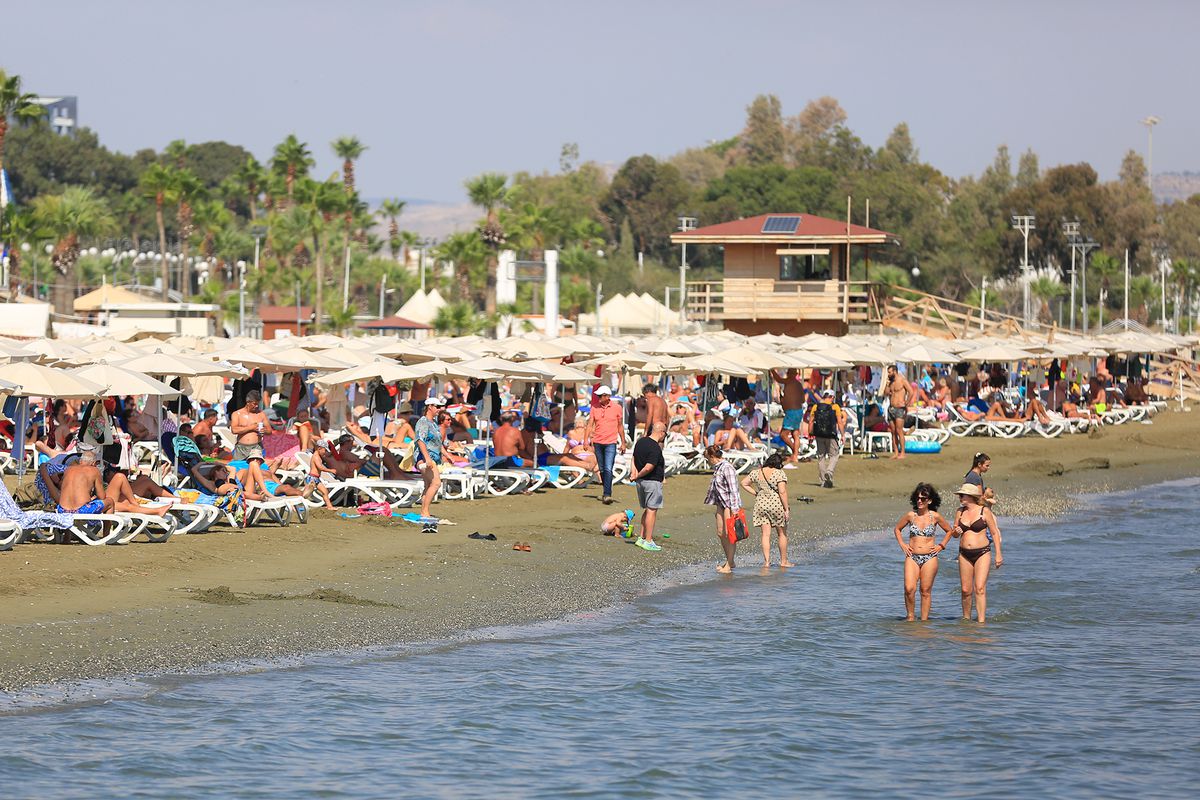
{"x": 76, "y": 612}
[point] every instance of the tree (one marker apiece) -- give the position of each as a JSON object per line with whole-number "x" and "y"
{"x": 15, "y": 104}
{"x": 464, "y": 251}
{"x": 1046, "y": 289}
{"x": 762, "y": 140}
{"x": 459, "y": 319}
{"x": 250, "y": 177}
{"x": 156, "y": 182}
{"x": 1027, "y": 169}
{"x": 391, "y": 210}
{"x": 1105, "y": 269}
{"x": 292, "y": 159}
{"x": 651, "y": 195}
{"x": 349, "y": 149}
{"x": 187, "y": 190}
{"x": 900, "y": 146}
{"x": 68, "y": 217}
{"x": 747, "y": 191}
{"x": 816, "y": 123}
{"x": 488, "y": 191}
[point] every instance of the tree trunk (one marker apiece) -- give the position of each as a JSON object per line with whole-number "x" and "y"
{"x": 162, "y": 246}
{"x": 320, "y": 276}
{"x": 489, "y": 295}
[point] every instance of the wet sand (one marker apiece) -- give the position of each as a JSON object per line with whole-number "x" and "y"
{"x": 75, "y": 612}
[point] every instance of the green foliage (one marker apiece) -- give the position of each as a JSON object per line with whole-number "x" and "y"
{"x": 650, "y": 195}
{"x": 747, "y": 191}
{"x": 40, "y": 161}
{"x": 459, "y": 319}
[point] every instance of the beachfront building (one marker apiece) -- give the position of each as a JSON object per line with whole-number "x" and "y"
{"x": 784, "y": 274}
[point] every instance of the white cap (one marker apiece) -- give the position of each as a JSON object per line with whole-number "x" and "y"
{"x": 603, "y": 390}
{"x": 436, "y": 401}
{"x": 827, "y": 393}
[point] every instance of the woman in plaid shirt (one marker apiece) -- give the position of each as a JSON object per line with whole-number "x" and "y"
{"x": 724, "y": 495}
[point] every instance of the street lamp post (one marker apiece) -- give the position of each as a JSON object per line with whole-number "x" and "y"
{"x": 1086, "y": 246}
{"x": 242, "y": 295}
{"x": 685, "y": 224}
{"x": 1024, "y": 224}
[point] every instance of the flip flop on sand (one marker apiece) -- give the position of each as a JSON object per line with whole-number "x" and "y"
{"x": 525, "y": 548}
{"x": 491, "y": 537}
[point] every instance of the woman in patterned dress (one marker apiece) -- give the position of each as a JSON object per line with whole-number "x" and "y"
{"x": 768, "y": 484}
{"x": 723, "y": 494}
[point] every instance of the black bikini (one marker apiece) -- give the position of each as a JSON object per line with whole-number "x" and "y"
{"x": 973, "y": 554}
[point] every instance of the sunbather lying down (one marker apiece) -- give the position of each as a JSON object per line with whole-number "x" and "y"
{"x": 263, "y": 484}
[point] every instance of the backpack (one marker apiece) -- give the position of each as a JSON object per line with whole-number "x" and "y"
{"x": 384, "y": 402}
{"x": 824, "y": 424}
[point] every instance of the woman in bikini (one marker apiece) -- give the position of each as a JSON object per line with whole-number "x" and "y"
{"x": 921, "y": 551}
{"x": 977, "y": 526}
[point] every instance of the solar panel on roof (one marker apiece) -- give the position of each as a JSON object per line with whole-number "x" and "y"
{"x": 781, "y": 225}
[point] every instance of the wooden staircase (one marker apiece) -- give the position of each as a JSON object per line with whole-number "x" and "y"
{"x": 914, "y": 311}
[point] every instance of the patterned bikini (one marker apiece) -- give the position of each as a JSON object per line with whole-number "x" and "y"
{"x": 928, "y": 531}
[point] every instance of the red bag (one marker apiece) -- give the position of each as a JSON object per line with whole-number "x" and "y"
{"x": 735, "y": 526}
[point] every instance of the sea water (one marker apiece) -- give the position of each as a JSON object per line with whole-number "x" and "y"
{"x": 1085, "y": 682}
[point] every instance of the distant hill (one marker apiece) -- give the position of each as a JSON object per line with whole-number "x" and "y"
{"x": 1175, "y": 186}
{"x": 429, "y": 218}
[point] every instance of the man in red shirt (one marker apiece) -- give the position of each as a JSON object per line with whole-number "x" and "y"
{"x": 606, "y": 434}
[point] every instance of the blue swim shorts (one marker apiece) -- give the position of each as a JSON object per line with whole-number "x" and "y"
{"x": 792, "y": 419}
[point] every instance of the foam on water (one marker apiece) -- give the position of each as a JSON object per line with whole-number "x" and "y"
{"x": 1084, "y": 682}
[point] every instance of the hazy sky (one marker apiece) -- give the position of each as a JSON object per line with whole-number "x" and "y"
{"x": 441, "y": 91}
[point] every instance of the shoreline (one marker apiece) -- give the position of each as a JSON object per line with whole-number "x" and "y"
{"x": 258, "y": 598}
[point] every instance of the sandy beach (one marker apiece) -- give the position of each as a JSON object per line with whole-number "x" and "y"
{"x": 73, "y": 612}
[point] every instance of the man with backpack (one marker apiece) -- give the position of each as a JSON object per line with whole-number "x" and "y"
{"x": 827, "y": 424}
{"x": 381, "y": 401}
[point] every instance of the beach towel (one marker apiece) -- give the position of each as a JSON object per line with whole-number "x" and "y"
{"x": 553, "y": 472}
{"x": 29, "y": 519}
{"x": 417, "y": 519}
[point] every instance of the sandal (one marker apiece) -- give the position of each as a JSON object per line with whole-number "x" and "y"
{"x": 525, "y": 548}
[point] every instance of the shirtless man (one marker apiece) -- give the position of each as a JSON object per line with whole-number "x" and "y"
{"x": 793, "y": 413}
{"x": 900, "y": 394}
{"x": 507, "y": 441}
{"x": 248, "y": 425}
{"x": 205, "y": 426}
{"x": 656, "y": 407}
{"x": 82, "y": 491}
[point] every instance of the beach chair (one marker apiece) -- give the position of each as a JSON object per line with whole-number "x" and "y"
{"x": 10, "y": 532}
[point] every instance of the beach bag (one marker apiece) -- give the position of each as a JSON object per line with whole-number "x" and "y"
{"x": 735, "y": 527}
{"x": 375, "y": 509}
{"x": 824, "y": 421}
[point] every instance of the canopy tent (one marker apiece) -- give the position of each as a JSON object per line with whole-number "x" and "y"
{"x": 106, "y": 294}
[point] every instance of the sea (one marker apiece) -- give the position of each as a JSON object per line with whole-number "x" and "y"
{"x": 1085, "y": 682}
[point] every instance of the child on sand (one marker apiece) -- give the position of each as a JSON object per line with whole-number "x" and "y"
{"x": 618, "y": 524}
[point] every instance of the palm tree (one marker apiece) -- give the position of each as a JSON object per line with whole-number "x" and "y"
{"x": 15, "y": 104}
{"x": 291, "y": 159}
{"x": 178, "y": 152}
{"x": 187, "y": 191}
{"x": 341, "y": 318}
{"x": 1143, "y": 292}
{"x": 1106, "y": 268}
{"x": 158, "y": 181}
{"x": 1185, "y": 276}
{"x": 391, "y": 211}
{"x": 1045, "y": 289}
{"x": 458, "y": 319}
{"x": 251, "y": 178}
{"x": 76, "y": 213}
{"x": 464, "y": 250}
{"x": 348, "y": 149}
{"x": 488, "y": 191}
{"x": 18, "y": 226}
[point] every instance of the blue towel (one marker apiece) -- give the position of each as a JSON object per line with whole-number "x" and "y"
{"x": 552, "y": 472}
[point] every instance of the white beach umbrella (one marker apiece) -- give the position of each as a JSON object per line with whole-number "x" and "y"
{"x": 507, "y": 369}
{"x": 50, "y": 351}
{"x": 119, "y": 381}
{"x": 926, "y": 354}
{"x": 37, "y": 380}
{"x": 996, "y": 352}
{"x": 386, "y": 371}
{"x": 180, "y": 366}
{"x": 524, "y": 349}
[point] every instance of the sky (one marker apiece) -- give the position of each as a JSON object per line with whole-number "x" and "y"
{"x": 442, "y": 91}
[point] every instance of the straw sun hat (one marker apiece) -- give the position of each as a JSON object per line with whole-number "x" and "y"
{"x": 969, "y": 489}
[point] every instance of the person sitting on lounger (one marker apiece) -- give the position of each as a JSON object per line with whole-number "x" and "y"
{"x": 342, "y": 458}
{"x": 123, "y": 498}
{"x": 508, "y": 444}
{"x": 82, "y": 490}
{"x": 1035, "y": 408}
{"x": 264, "y": 484}
{"x": 215, "y": 481}
{"x": 317, "y": 468}
{"x": 730, "y": 437}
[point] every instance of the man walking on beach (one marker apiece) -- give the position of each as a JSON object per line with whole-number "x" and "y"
{"x": 656, "y": 407}
{"x": 792, "y": 399}
{"x": 606, "y": 434}
{"x": 827, "y": 423}
{"x": 899, "y": 394}
{"x": 649, "y": 474}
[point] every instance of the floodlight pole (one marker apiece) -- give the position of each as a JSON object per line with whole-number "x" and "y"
{"x": 685, "y": 224}
{"x": 1150, "y": 122}
{"x": 1071, "y": 229}
{"x": 1084, "y": 248}
{"x": 1024, "y": 224}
